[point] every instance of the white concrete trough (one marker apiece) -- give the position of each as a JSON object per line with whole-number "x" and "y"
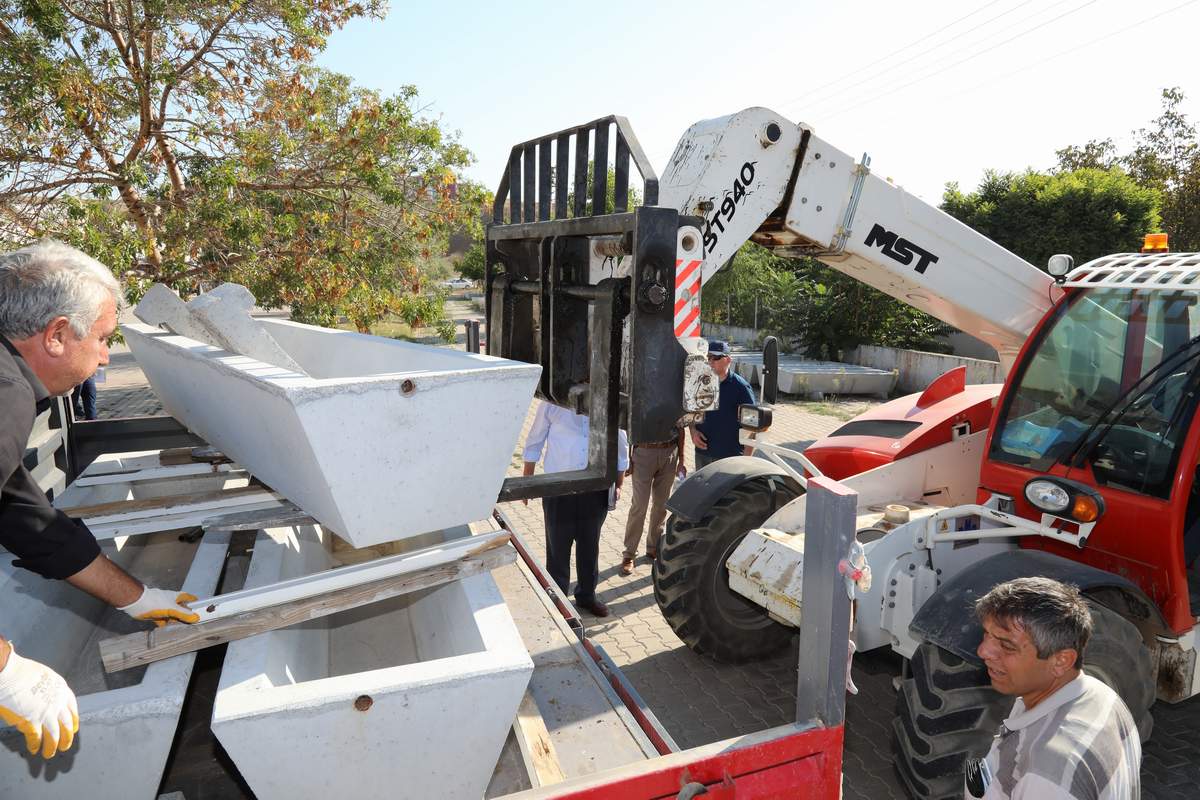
{"x": 127, "y": 720}
{"x": 815, "y": 379}
{"x": 377, "y": 439}
{"x": 409, "y": 697}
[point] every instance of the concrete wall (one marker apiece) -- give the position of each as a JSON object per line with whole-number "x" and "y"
{"x": 917, "y": 369}
{"x": 730, "y": 333}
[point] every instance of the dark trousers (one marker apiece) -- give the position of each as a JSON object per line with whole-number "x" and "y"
{"x": 575, "y": 519}
{"x": 703, "y": 459}
{"x": 83, "y": 399}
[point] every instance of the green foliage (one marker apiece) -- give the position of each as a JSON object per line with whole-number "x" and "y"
{"x": 1165, "y": 157}
{"x": 1086, "y": 212}
{"x": 195, "y": 143}
{"x": 813, "y": 307}
{"x": 473, "y": 263}
{"x": 610, "y": 204}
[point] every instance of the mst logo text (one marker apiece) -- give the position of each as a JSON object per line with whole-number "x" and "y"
{"x": 899, "y": 248}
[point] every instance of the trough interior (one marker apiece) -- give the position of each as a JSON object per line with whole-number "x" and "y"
{"x": 55, "y": 623}
{"x": 326, "y": 354}
{"x": 423, "y": 626}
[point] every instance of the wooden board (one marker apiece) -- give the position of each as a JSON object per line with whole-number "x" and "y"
{"x": 146, "y": 647}
{"x": 191, "y": 455}
{"x": 537, "y": 750}
{"x": 286, "y": 514}
{"x": 128, "y": 509}
{"x": 142, "y": 475}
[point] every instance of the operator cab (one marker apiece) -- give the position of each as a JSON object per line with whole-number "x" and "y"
{"x": 1105, "y": 394}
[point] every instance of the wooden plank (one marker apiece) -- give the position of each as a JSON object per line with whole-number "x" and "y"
{"x": 537, "y": 750}
{"x": 285, "y": 514}
{"x": 191, "y": 455}
{"x": 179, "y": 472}
{"x": 130, "y": 509}
{"x": 185, "y": 518}
{"x": 285, "y": 591}
{"x": 146, "y": 647}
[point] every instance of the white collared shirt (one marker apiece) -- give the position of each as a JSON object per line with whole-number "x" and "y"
{"x": 1078, "y": 743}
{"x": 564, "y": 436}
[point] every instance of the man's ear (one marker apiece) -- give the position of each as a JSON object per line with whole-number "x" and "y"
{"x": 55, "y": 336}
{"x": 1063, "y": 661}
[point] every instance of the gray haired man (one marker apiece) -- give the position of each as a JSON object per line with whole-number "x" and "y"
{"x": 1069, "y": 736}
{"x": 58, "y": 309}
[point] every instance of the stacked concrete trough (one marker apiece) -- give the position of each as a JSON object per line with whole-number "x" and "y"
{"x": 377, "y": 439}
{"x": 409, "y": 697}
{"x": 127, "y": 720}
{"x": 381, "y": 441}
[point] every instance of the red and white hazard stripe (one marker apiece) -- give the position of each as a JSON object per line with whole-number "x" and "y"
{"x": 687, "y": 297}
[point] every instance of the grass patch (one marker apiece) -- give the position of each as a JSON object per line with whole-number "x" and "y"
{"x": 391, "y": 328}
{"x": 843, "y": 409}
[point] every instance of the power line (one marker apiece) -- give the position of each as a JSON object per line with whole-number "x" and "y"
{"x": 922, "y": 54}
{"x": 971, "y": 57}
{"x": 1124, "y": 29}
{"x": 970, "y": 47}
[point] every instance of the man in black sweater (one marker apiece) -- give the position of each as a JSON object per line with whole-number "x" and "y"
{"x": 58, "y": 309}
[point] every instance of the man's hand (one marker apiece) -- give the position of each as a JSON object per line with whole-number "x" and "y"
{"x": 161, "y": 606}
{"x": 698, "y": 440}
{"x": 681, "y": 470}
{"x": 37, "y": 701}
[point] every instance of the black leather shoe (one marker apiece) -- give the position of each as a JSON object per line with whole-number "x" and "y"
{"x": 593, "y": 607}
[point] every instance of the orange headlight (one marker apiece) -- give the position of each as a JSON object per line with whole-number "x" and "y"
{"x": 1085, "y": 508}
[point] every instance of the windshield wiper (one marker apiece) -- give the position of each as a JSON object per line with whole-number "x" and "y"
{"x": 1080, "y": 452}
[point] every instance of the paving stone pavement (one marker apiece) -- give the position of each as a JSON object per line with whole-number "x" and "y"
{"x": 700, "y": 701}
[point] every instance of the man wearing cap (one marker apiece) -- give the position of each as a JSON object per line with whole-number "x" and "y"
{"x": 717, "y": 436}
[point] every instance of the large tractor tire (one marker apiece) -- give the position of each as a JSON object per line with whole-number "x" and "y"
{"x": 947, "y": 712}
{"x": 691, "y": 583}
{"x": 1117, "y": 656}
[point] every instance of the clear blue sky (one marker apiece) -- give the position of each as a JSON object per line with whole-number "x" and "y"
{"x": 934, "y": 90}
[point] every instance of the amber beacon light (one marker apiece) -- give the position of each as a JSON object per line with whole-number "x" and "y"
{"x": 1155, "y": 243}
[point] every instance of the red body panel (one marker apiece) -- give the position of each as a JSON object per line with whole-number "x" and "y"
{"x": 806, "y": 764}
{"x": 1139, "y": 537}
{"x": 842, "y": 456}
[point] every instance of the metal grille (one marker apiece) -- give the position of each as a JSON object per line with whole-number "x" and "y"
{"x": 1159, "y": 272}
{"x": 548, "y": 221}
{"x": 530, "y": 183}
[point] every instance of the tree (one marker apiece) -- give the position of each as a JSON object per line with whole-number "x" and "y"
{"x": 1166, "y": 158}
{"x": 193, "y": 143}
{"x": 610, "y": 202}
{"x": 1085, "y": 212}
{"x": 807, "y": 304}
{"x": 473, "y": 264}
{"x": 1096, "y": 154}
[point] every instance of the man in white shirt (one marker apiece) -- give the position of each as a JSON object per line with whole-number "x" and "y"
{"x": 575, "y": 518}
{"x": 1069, "y": 736}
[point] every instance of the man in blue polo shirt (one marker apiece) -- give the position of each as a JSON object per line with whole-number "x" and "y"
{"x": 717, "y": 436}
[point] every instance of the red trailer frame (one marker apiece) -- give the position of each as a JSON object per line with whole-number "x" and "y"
{"x": 784, "y": 761}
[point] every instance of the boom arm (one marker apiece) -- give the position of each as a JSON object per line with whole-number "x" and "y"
{"x": 754, "y": 175}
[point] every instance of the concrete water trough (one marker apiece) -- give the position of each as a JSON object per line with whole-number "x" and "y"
{"x": 815, "y": 379}
{"x": 409, "y": 697}
{"x": 377, "y": 439}
{"x": 127, "y": 720}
